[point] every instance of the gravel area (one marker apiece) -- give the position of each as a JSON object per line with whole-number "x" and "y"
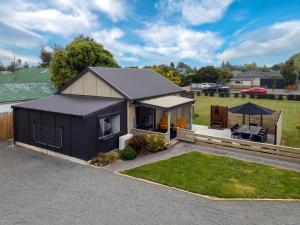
{"x": 39, "y": 189}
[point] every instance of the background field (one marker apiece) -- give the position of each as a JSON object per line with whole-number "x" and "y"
{"x": 290, "y": 109}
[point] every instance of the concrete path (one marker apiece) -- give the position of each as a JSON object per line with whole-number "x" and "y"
{"x": 184, "y": 147}
{"x": 39, "y": 189}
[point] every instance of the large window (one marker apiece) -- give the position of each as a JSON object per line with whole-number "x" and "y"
{"x": 109, "y": 125}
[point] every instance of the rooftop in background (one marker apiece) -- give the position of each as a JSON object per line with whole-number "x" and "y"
{"x": 70, "y": 104}
{"x": 137, "y": 83}
{"x": 11, "y": 92}
{"x": 26, "y": 75}
{"x": 257, "y": 74}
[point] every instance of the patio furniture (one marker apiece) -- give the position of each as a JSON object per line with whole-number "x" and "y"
{"x": 164, "y": 123}
{"x": 181, "y": 123}
{"x": 253, "y": 124}
{"x": 251, "y": 109}
{"x": 246, "y": 136}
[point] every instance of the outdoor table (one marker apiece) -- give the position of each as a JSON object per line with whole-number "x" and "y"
{"x": 246, "y": 129}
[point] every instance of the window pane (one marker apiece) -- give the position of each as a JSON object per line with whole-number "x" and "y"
{"x": 105, "y": 127}
{"x": 115, "y": 123}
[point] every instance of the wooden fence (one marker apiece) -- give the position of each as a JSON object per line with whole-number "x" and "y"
{"x": 6, "y": 126}
{"x": 278, "y": 128}
{"x": 275, "y": 151}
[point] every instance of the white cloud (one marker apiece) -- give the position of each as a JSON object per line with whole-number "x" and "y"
{"x": 196, "y": 12}
{"x": 276, "y": 40}
{"x": 162, "y": 43}
{"x": 7, "y": 57}
{"x": 64, "y": 17}
{"x": 16, "y": 36}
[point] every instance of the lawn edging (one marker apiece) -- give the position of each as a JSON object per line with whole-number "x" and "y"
{"x": 206, "y": 196}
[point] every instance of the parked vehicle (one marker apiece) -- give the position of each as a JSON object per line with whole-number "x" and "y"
{"x": 255, "y": 90}
{"x": 222, "y": 88}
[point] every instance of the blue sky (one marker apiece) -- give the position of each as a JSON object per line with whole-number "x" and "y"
{"x": 145, "y": 32}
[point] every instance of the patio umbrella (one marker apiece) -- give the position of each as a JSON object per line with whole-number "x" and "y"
{"x": 251, "y": 109}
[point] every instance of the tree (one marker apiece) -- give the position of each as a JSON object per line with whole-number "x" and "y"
{"x": 183, "y": 68}
{"x": 168, "y": 72}
{"x": 81, "y": 53}
{"x": 25, "y": 65}
{"x": 288, "y": 72}
{"x": 45, "y": 57}
{"x": 224, "y": 75}
{"x": 172, "y": 65}
{"x": 11, "y": 67}
{"x": 248, "y": 67}
{"x": 207, "y": 74}
{"x": 2, "y": 67}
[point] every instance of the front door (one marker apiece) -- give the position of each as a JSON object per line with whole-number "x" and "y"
{"x": 145, "y": 118}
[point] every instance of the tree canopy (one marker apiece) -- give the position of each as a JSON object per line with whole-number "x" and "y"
{"x": 288, "y": 72}
{"x": 81, "y": 53}
{"x": 167, "y": 71}
{"x": 45, "y": 57}
{"x": 208, "y": 74}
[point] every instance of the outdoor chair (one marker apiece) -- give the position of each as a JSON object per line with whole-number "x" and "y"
{"x": 164, "y": 123}
{"x": 236, "y": 126}
{"x": 181, "y": 123}
{"x": 234, "y": 133}
{"x": 253, "y": 124}
{"x": 258, "y": 138}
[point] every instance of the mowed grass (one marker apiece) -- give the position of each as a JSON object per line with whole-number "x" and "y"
{"x": 221, "y": 177}
{"x": 290, "y": 109}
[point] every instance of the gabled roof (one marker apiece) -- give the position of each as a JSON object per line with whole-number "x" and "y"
{"x": 70, "y": 104}
{"x": 135, "y": 83}
{"x": 253, "y": 74}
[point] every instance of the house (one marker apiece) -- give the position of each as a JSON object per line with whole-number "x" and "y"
{"x": 89, "y": 114}
{"x": 256, "y": 78}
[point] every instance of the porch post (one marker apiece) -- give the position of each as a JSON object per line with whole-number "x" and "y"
{"x": 191, "y": 116}
{"x": 169, "y": 126}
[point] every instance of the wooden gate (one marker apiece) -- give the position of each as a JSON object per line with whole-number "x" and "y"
{"x": 6, "y": 126}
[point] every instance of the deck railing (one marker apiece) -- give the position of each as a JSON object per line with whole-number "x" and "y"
{"x": 275, "y": 151}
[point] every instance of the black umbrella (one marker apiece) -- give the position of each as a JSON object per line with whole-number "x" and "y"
{"x": 251, "y": 109}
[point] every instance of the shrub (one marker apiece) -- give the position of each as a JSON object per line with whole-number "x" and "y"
{"x": 243, "y": 96}
{"x": 252, "y": 96}
{"x": 227, "y": 94}
{"x": 297, "y": 97}
{"x": 211, "y": 93}
{"x": 155, "y": 143}
{"x": 128, "y": 153}
{"x": 280, "y": 97}
{"x": 297, "y": 126}
{"x": 261, "y": 96}
{"x": 221, "y": 95}
{"x": 236, "y": 95}
{"x": 290, "y": 97}
{"x": 102, "y": 159}
{"x": 271, "y": 96}
{"x": 195, "y": 115}
{"x": 138, "y": 142}
{"x": 205, "y": 93}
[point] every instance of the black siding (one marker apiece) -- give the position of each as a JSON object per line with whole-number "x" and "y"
{"x": 80, "y": 136}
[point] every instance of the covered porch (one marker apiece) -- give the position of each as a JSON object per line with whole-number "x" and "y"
{"x": 162, "y": 116}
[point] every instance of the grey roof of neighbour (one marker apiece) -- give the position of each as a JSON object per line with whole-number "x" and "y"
{"x": 70, "y": 104}
{"x": 137, "y": 83}
{"x": 253, "y": 74}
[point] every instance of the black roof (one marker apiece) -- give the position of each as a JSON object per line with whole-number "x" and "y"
{"x": 136, "y": 83}
{"x": 251, "y": 109}
{"x": 70, "y": 104}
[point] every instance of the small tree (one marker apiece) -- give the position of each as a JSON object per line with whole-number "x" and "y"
{"x": 224, "y": 75}
{"x": 208, "y": 74}
{"x": 2, "y": 67}
{"x": 81, "y": 53}
{"x": 45, "y": 57}
{"x": 25, "y": 65}
{"x": 288, "y": 72}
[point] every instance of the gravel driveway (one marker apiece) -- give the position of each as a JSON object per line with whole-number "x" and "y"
{"x": 40, "y": 189}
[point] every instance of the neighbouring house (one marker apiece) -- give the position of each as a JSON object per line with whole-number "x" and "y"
{"x": 25, "y": 84}
{"x": 89, "y": 114}
{"x": 257, "y": 78}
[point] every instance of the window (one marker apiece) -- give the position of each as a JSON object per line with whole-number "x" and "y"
{"x": 49, "y": 136}
{"x": 109, "y": 125}
{"x": 238, "y": 82}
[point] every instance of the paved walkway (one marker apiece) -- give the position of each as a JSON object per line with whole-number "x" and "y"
{"x": 39, "y": 189}
{"x": 184, "y": 147}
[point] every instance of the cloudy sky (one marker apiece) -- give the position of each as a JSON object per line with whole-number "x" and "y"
{"x": 144, "y": 32}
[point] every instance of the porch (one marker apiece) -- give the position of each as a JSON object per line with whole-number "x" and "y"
{"x": 161, "y": 116}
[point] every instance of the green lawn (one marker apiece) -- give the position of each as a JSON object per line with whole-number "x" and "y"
{"x": 221, "y": 177}
{"x": 290, "y": 109}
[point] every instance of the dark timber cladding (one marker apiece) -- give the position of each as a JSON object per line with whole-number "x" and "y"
{"x": 68, "y": 124}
